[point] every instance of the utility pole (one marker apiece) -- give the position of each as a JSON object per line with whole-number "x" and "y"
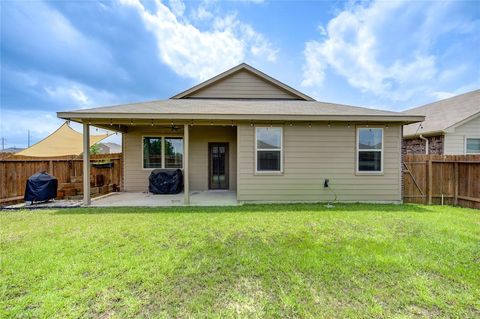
{"x": 3, "y": 143}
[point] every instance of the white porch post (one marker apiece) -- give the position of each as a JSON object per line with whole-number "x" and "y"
{"x": 186, "y": 186}
{"x": 86, "y": 164}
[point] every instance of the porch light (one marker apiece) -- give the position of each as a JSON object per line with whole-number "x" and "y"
{"x": 291, "y": 124}
{"x": 309, "y": 124}
{"x": 152, "y": 122}
{"x": 111, "y": 122}
{"x": 329, "y": 124}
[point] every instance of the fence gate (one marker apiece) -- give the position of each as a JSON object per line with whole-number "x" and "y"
{"x": 442, "y": 179}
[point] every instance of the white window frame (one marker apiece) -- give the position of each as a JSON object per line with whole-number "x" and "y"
{"x": 465, "y": 145}
{"x": 162, "y": 153}
{"x": 358, "y": 150}
{"x": 268, "y": 149}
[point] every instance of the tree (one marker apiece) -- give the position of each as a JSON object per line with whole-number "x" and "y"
{"x": 95, "y": 149}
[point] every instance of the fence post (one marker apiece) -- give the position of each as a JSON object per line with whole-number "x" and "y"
{"x": 455, "y": 199}
{"x": 429, "y": 179}
{"x": 50, "y": 167}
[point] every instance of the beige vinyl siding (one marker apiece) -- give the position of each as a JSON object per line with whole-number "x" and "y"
{"x": 200, "y": 136}
{"x": 136, "y": 178}
{"x": 313, "y": 154}
{"x": 242, "y": 84}
{"x": 455, "y": 141}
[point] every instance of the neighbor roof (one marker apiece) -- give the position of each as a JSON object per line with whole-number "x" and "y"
{"x": 238, "y": 68}
{"x": 226, "y": 109}
{"x": 444, "y": 115}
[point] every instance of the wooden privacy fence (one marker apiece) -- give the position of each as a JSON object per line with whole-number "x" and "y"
{"x": 442, "y": 179}
{"x": 15, "y": 170}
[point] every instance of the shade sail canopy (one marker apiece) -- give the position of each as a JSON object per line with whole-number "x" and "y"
{"x": 64, "y": 141}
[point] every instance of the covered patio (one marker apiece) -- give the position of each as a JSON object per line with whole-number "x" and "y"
{"x": 197, "y": 198}
{"x": 198, "y": 190}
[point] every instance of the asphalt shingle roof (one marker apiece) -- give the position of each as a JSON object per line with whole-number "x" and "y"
{"x": 443, "y": 114}
{"x": 237, "y": 107}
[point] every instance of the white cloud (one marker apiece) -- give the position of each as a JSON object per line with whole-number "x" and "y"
{"x": 198, "y": 54}
{"x": 365, "y": 45}
{"x": 201, "y": 13}
{"x": 66, "y": 93}
{"x": 441, "y": 95}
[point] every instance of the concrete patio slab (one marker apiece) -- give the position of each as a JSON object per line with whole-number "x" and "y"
{"x": 62, "y": 203}
{"x": 206, "y": 198}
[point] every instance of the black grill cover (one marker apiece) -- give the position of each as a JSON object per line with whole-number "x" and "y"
{"x": 165, "y": 181}
{"x": 41, "y": 187}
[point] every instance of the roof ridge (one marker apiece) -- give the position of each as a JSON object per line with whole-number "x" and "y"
{"x": 442, "y": 100}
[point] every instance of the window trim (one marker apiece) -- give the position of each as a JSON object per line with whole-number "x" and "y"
{"x": 279, "y": 172}
{"x": 465, "y": 144}
{"x": 358, "y": 150}
{"x": 162, "y": 153}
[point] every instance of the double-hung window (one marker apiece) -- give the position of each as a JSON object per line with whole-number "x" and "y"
{"x": 369, "y": 150}
{"x": 268, "y": 149}
{"x": 472, "y": 145}
{"x": 173, "y": 152}
{"x": 152, "y": 152}
{"x": 162, "y": 152}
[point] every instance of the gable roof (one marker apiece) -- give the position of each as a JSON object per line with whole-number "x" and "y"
{"x": 188, "y": 106}
{"x": 291, "y": 92}
{"x": 443, "y": 115}
{"x": 243, "y": 109}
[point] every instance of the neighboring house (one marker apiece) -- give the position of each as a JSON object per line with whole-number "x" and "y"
{"x": 247, "y": 132}
{"x": 109, "y": 148}
{"x": 451, "y": 127}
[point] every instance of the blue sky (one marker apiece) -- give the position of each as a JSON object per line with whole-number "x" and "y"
{"x": 67, "y": 55}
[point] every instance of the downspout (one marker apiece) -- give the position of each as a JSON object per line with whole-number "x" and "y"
{"x": 426, "y": 143}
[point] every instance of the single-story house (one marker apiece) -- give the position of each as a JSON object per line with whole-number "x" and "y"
{"x": 451, "y": 127}
{"x": 249, "y": 133}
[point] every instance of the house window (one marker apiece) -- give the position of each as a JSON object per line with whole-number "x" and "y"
{"x": 173, "y": 152}
{"x": 472, "y": 146}
{"x": 370, "y": 150}
{"x": 268, "y": 149}
{"x": 170, "y": 156}
{"x": 152, "y": 152}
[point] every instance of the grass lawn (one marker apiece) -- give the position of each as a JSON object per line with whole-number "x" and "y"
{"x": 249, "y": 261}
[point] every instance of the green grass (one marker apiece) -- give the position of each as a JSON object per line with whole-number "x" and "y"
{"x": 261, "y": 261}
